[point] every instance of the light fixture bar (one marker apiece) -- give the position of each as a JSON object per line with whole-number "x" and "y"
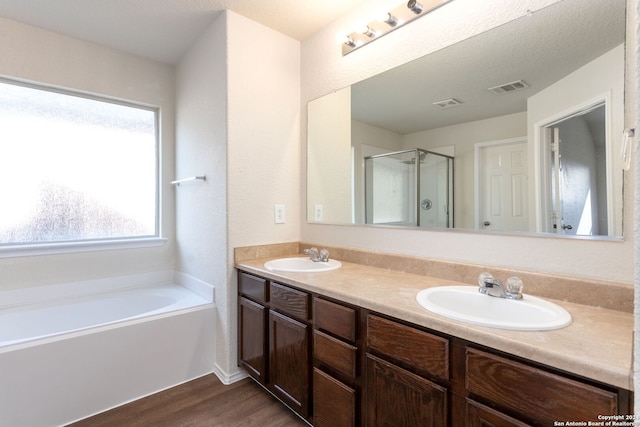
{"x": 393, "y": 20}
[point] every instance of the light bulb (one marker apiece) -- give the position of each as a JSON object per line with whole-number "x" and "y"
{"x": 367, "y": 31}
{"x": 414, "y": 6}
{"x": 388, "y": 19}
{"x": 349, "y": 41}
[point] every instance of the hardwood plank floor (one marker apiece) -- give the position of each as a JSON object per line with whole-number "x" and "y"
{"x": 201, "y": 402}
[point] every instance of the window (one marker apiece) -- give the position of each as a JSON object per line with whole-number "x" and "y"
{"x": 75, "y": 168}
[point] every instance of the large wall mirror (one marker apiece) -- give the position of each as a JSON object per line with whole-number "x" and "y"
{"x": 517, "y": 130}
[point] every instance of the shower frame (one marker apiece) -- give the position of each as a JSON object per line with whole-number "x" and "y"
{"x": 418, "y": 152}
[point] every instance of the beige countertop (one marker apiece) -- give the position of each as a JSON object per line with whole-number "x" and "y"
{"x": 597, "y": 344}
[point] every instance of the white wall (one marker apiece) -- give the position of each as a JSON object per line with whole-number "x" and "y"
{"x": 324, "y": 70}
{"x": 263, "y": 143}
{"x": 37, "y": 55}
{"x": 329, "y": 159}
{"x": 201, "y": 149}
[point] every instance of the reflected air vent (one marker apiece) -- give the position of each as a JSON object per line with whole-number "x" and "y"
{"x": 447, "y": 103}
{"x": 509, "y": 87}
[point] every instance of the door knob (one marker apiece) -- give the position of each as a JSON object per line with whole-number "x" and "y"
{"x": 486, "y": 223}
{"x": 567, "y": 227}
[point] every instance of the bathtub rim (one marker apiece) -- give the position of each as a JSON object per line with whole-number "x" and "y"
{"x": 50, "y": 294}
{"x": 53, "y": 292}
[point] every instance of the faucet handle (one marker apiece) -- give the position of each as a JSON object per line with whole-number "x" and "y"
{"x": 483, "y": 278}
{"x": 515, "y": 287}
{"x": 313, "y": 254}
{"x": 324, "y": 255}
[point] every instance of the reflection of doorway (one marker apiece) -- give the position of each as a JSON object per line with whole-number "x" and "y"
{"x": 576, "y": 193}
{"x": 502, "y": 196}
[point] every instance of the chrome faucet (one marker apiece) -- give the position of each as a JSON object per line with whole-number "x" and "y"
{"x": 491, "y": 286}
{"x": 317, "y": 256}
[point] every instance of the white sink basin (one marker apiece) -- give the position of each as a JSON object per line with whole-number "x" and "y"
{"x": 301, "y": 265}
{"x": 466, "y": 304}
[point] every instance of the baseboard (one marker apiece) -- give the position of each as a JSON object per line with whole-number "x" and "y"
{"x": 229, "y": 378}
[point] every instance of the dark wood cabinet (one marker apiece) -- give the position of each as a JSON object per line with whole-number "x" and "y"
{"x": 400, "y": 361}
{"x": 336, "y": 364}
{"x": 252, "y": 338}
{"x": 535, "y": 395}
{"x": 477, "y": 415}
{"x": 397, "y": 397}
{"x": 336, "y": 358}
{"x": 334, "y": 403}
{"x": 274, "y": 339}
{"x": 413, "y": 347}
{"x": 289, "y": 361}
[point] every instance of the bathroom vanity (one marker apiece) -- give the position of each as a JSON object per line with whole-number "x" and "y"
{"x": 352, "y": 347}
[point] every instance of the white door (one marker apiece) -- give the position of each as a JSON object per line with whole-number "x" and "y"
{"x": 503, "y": 189}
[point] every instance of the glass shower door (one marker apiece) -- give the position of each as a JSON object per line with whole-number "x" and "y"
{"x": 390, "y": 188}
{"x": 411, "y": 187}
{"x": 436, "y": 191}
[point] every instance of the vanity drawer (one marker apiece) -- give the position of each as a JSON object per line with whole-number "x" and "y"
{"x": 335, "y": 353}
{"x": 252, "y": 287}
{"x": 335, "y": 319}
{"x": 412, "y": 346}
{"x": 530, "y": 390}
{"x": 289, "y": 301}
{"x": 334, "y": 403}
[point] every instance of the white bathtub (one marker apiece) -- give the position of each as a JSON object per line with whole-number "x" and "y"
{"x": 65, "y": 359}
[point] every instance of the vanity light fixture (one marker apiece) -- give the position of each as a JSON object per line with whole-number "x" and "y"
{"x": 390, "y": 21}
{"x": 367, "y": 31}
{"x": 415, "y": 7}
{"x": 350, "y": 42}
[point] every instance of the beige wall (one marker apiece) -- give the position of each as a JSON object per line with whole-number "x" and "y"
{"x": 32, "y": 54}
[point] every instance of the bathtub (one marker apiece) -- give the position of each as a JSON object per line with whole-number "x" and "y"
{"x": 70, "y": 351}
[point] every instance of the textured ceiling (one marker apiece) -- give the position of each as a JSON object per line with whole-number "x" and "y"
{"x": 164, "y": 29}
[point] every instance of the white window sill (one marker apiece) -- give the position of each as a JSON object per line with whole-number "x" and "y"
{"x": 72, "y": 247}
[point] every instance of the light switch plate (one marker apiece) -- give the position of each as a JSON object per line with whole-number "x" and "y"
{"x": 317, "y": 212}
{"x": 279, "y": 214}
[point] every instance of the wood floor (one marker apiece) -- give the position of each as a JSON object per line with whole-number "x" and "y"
{"x": 201, "y": 402}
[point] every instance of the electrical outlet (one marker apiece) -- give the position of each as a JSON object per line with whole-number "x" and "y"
{"x": 317, "y": 212}
{"x": 278, "y": 214}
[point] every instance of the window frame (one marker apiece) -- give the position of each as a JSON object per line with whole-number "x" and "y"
{"x": 8, "y": 250}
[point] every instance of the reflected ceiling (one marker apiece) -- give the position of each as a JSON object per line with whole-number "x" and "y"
{"x": 466, "y": 70}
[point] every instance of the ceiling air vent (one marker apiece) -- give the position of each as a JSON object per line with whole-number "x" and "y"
{"x": 509, "y": 87}
{"x": 447, "y": 103}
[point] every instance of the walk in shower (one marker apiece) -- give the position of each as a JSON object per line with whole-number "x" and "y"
{"x": 410, "y": 187}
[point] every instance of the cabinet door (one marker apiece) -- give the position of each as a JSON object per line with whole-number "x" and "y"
{"x": 334, "y": 403}
{"x": 396, "y": 397}
{"x": 289, "y": 361}
{"x": 539, "y": 396}
{"x": 478, "y": 415}
{"x": 251, "y": 339}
